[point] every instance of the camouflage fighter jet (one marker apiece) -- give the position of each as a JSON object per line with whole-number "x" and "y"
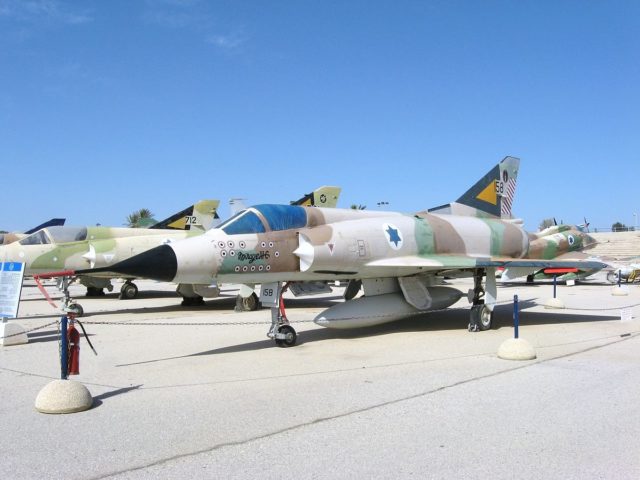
{"x": 401, "y": 259}
{"x": 73, "y": 248}
{"x": 494, "y": 192}
{"x": 562, "y": 242}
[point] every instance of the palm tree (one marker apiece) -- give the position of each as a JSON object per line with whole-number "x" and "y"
{"x": 358, "y": 207}
{"x": 139, "y": 218}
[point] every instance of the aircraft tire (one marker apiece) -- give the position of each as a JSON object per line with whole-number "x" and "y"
{"x": 481, "y": 318}
{"x": 290, "y": 339}
{"x": 250, "y": 304}
{"x": 128, "y": 291}
{"x": 485, "y": 319}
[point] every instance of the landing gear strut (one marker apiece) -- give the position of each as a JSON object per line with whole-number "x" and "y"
{"x": 70, "y": 304}
{"x": 281, "y": 331}
{"x": 481, "y": 315}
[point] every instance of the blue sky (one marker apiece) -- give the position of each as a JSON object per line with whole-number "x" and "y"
{"x": 110, "y": 106}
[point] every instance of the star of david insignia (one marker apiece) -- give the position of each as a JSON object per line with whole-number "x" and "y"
{"x": 394, "y": 236}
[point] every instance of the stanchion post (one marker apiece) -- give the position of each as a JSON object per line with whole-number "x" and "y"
{"x": 555, "y": 282}
{"x": 516, "y": 319}
{"x": 64, "y": 349}
{"x": 619, "y": 277}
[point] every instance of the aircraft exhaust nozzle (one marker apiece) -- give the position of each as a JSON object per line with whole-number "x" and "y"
{"x": 159, "y": 263}
{"x": 379, "y": 309}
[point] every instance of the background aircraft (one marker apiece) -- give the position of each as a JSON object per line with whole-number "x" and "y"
{"x": 563, "y": 242}
{"x": 401, "y": 259}
{"x": 72, "y": 248}
{"x": 7, "y": 238}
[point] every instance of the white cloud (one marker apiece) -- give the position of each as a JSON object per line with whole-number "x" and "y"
{"x": 226, "y": 42}
{"x": 193, "y": 15}
{"x": 42, "y": 10}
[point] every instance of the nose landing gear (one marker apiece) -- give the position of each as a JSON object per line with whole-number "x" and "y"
{"x": 281, "y": 331}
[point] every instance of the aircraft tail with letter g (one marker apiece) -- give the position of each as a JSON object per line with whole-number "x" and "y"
{"x": 491, "y": 196}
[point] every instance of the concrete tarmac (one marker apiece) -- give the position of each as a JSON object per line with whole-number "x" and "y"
{"x": 201, "y": 392}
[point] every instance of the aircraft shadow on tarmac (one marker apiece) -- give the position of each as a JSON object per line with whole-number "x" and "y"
{"x": 454, "y": 319}
{"x": 224, "y": 302}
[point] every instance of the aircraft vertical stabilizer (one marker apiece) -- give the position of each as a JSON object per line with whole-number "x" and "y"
{"x": 491, "y": 196}
{"x": 201, "y": 216}
{"x": 326, "y": 197}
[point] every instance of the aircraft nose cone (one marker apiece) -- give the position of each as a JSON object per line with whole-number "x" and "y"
{"x": 159, "y": 263}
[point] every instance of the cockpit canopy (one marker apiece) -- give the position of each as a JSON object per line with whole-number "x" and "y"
{"x": 266, "y": 218}
{"x": 58, "y": 234}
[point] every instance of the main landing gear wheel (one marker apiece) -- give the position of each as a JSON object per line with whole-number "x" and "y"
{"x": 248, "y": 304}
{"x": 128, "y": 291}
{"x": 481, "y": 317}
{"x": 286, "y": 336}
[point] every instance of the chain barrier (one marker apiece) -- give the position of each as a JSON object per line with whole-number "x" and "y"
{"x": 212, "y": 324}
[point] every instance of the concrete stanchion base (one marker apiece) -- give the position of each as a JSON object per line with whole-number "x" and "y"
{"x": 516, "y": 349}
{"x": 621, "y": 290}
{"x": 15, "y": 333}
{"x": 554, "y": 303}
{"x": 63, "y": 396}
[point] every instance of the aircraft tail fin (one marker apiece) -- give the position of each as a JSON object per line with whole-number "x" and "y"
{"x": 326, "y": 197}
{"x": 236, "y": 205}
{"x": 492, "y": 195}
{"x": 202, "y": 215}
{"x": 51, "y": 223}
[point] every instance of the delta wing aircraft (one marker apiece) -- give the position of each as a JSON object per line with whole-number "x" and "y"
{"x": 562, "y": 242}
{"x": 73, "y": 248}
{"x": 401, "y": 259}
{"x": 502, "y": 177}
